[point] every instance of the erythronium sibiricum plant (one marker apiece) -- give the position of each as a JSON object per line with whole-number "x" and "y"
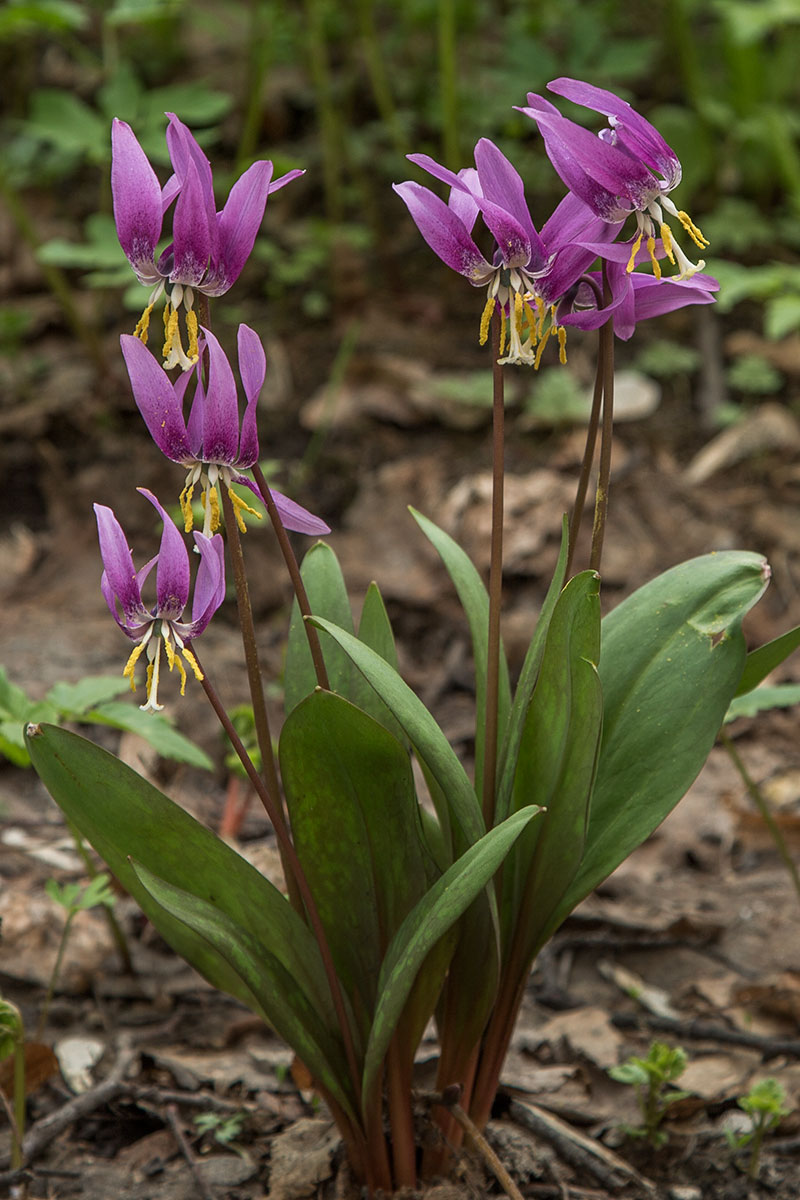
{"x": 406, "y": 900}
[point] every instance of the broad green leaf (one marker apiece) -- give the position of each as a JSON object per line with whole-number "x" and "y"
{"x": 123, "y": 817}
{"x": 760, "y": 699}
{"x": 327, "y": 595}
{"x": 429, "y": 743}
{"x": 354, "y": 817}
{"x": 375, "y": 631}
{"x": 75, "y": 698}
{"x": 13, "y": 701}
{"x": 475, "y": 602}
{"x": 280, "y": 998}
{"x": 760, "y": 662}
{"x": 430, "y": 919}
{"x": 509, "y": 749}
{"x": 154, "y": 728}
{"x": 61, "y": 117}
{"x": 671, "y": 659}
{"x": 556, "y": 766}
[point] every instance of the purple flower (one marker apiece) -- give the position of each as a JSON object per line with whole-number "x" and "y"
{"x": 209, "y": 248}
{"x": 121, "y": 585}
{"x": 212, "y": 445}
{"x": 530, "y": 271}
{"x": 627, "y": 168}
{"x": 635, "y": 297}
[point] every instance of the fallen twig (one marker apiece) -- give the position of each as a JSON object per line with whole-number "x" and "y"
{"x": 770, "y": 1047}
{"x": 476, "y": 1138}
{"x": 171, "y": 1115}
{"x": 579, "y": 1151}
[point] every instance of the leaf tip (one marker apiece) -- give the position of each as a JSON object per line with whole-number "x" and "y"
{"x": 33, "y": 730}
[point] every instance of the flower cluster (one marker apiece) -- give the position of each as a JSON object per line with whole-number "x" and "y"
{"x": 215, "y": 446}
{"x": 540, "y": 283}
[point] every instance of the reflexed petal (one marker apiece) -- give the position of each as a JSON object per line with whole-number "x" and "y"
{"x": 633, "y": 132}
{"x": 209, "y": 586}
{"x": 238, "y": 225}
{"x": 195, "y": 424}
{"x": 156, "y": 400}
{"x": 185, "y": 149}
{"x": 462, "y": 203}
{"x": 221, "y": 409}
{"x": 502, "y": 184}
{"x": 444, "y": 232}
{"x": 653, "y": 297}
{"x": 297, "y": 518}
{"x": 137, "y": 201}
{"x": 172, "y": 574}
{"x": 572, "y": 221}
{"x": 191, "y": 233}
{"x": 119, "y": 575}
{"x": 282, "y": 180}
{"x": 253, "y": 369}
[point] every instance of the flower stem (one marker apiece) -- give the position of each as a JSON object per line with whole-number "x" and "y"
{"x": 588, "y": 456}
{"x": 296, "y": 578}
{"x": 295, "y": 872}
{"x": 604, "y": 475}
{"x": 495, "y": 581}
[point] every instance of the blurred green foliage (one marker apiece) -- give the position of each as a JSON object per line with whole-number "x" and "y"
{"x": 348, "y": 90}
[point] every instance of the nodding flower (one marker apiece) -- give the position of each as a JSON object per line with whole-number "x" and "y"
{"x": 627, "y": 168}
{"x": 208, "y": 248}
{"x": 214, "y": 445}
{"x": 530, "y": 271}
{"x": 164, "y": 623}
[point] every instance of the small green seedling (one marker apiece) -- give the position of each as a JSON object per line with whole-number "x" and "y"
{"x": 650, "y": 1076}
{"x": 75, "y": 899}
{"x": 764, "y": 1104}
{"x": 223, "y": 1129}
{"x": 12, "y": 1042}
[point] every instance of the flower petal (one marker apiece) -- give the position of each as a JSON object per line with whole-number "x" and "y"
{"x": 156, "y": 400}
{"x": 297, "y": 518}
{"x": 119, "y": 574}
{"x": 631, "y": 130}
{"x": 444, "y": 232}
{"x": 238, "y": 225}
{"x": 191, "y": 232}
{"x": 172, "y": 573}
{"x": 137, "y": 201}
{"x": 253, "y": 369}
{"x": 502, "y": 184}
{"x": 221, "y": 408}
{"x": 209, "y": 586}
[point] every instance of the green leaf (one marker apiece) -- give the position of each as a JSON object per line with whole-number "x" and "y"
{"x": 429, "y": 920}
{"x": 671, "y": 659}
{"x": 155, "y": 729}
{"x": 375, "y": 631}
{"x": 72, "y": 699}
{"x": 527, "y": 681}
{"x": 766, "y": 658}
{"x": 123, "y": 817}
{"x": 475, "y": 602}
{"x": 430, "y": 744}
{"x": 556, "y": 766}
{"x": 360, "y": 845}
{"x": 61, "y": 117}
{"x": 13, "y": 701}
{"x": 327, "y": 595}
{"x": 280, "y": 998}
{"x": 783, "y": 695}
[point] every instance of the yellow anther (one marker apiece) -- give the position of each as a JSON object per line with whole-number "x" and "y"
{"x": 151, "y": 667}
{"x": 503, "y": 327}
{"x": 185, "y": 501}
{"x": 238, "y": 505}
{"x": 143, "y": 324}
{"x": 130, "y": 665}
{"x": 485, "y": 319}
{"x": 541, "y": 346}
{"x": 518, "y": 309}
{"x": 666, "y": 238}
{"x": 170, "y": 329}
{"x": 634, "y": 252}
{"x": 651, "y": 250}
{"x": 540, "y": 311}
{"x": 175, "y": 662}
{"x": 562, "y": 345}
{"x": 692, "y": 230}
{"x": 211, "y": 500}
{"x": 191, "y": 325}
{"x": 193, "y": 663}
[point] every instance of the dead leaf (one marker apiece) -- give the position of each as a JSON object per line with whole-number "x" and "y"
{"x": 40, "y": 1065}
